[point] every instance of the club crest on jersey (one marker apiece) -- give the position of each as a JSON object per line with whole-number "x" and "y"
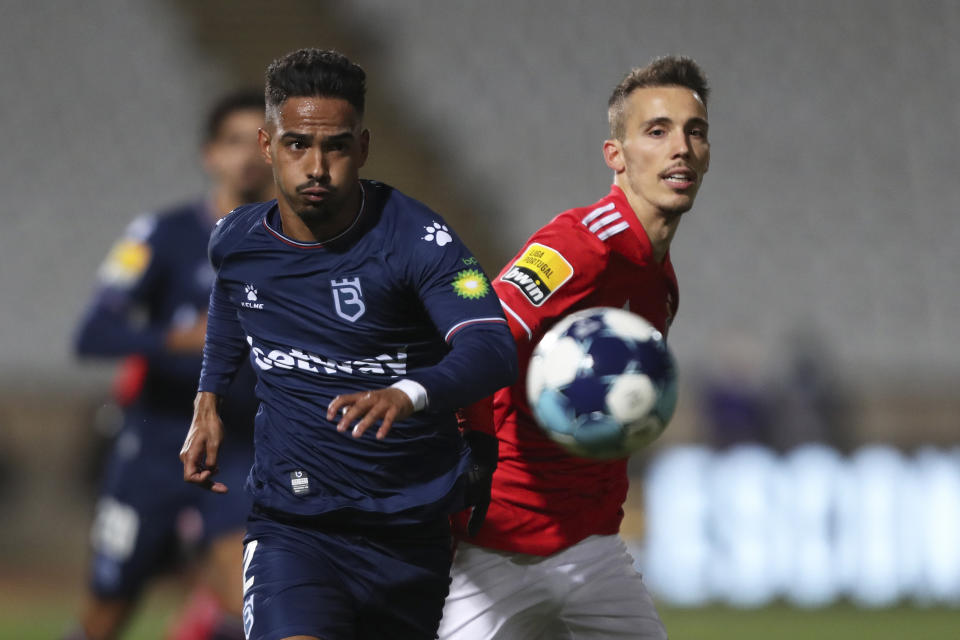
{"x": 348, "y": 298}
{"x": 538, "y": 273}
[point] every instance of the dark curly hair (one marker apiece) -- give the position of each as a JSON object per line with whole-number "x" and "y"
{"x": 314, "y": 73}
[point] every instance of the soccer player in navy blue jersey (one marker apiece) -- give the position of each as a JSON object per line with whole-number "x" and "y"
{"x": 369, "y": 323}
{"x": 150, "y": 307}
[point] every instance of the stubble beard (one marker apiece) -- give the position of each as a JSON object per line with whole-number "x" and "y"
{"x": 316, "y": 217}
{"x": 319, "y": 217}
{"x": 678, "y": 210}
{"x": 671, "y": 212}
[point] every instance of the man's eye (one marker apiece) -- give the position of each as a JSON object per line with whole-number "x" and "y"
{"x": 656, "y": 133}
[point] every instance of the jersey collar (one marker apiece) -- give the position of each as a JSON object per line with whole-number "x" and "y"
{"x": 637, "y": 247}
{"x": 315, "y": 245}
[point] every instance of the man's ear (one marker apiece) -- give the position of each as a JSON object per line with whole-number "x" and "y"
{"x": 364, "y": 146}
{"x": 263, "y": 138}
{"x": 613, "y": 155}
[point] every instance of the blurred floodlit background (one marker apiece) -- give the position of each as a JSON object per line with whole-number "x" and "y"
{"x": 819, "y": 271}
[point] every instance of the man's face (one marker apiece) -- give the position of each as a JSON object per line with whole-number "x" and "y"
{"x": 316, "y": 147}
{"x": 665, "y": 151}
{"x": 233, "y": 158}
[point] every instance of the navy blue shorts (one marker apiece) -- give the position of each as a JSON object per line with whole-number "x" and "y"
{"x": 328, "y": 581}
{"x": 146, "y": 513}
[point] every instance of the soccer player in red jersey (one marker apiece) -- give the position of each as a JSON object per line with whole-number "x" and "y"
{"x": 548, "y": 561}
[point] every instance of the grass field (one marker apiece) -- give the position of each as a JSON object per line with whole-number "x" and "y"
{"x": 35, "y": 616}
{"x": 841, "y": 622}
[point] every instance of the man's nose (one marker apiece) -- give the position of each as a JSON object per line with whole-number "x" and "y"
{"x": 681, "y": 145}
{"x": 318, "y": 166}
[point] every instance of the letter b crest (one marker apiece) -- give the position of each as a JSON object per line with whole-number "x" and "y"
{"x": 348, "y": 298}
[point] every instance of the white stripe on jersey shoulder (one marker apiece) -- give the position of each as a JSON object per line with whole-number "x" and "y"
{"x": 607, "y": 226}
{"x": 517, "y": 317}
{"x": 604, "y": 221}
{"x": 613, "y": 230}
{"x": 599, "y": 211}
{"x": 461, "y": 325}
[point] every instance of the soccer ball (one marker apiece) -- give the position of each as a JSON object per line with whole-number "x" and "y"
{"x": 602, "y": 383}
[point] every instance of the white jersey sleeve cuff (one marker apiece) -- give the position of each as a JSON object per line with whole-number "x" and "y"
{"x": 415, "y": 391}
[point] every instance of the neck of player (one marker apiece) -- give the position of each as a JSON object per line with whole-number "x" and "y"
{"x": 660, "y": 229}
{"x": 320, "y": 228}
{"x": 659, "y": 224}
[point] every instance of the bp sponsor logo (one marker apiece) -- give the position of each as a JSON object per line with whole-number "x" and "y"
{"x": 538, "y": 273}
{"x": 471, "y": 284}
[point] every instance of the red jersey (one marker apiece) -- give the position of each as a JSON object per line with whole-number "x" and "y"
{"x": 544, "y": 499}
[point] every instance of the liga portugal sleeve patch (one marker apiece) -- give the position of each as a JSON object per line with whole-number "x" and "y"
{"x": 125, "y": 263}
{"x": 538, "y": 273}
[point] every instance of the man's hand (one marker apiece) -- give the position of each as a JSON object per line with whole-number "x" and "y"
{"x": 199, "y": 452}
{"x": 483, "y": 462}
{"x": 363, "y": 408}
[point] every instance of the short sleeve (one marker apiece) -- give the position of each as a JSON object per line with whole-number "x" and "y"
{"x": 554, "y": 273}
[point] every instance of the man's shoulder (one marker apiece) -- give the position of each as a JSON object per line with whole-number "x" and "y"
{"x": 404, "y": 220}
{"x": 601, "y": 220}
{"x": 155, "y": 223}
{"x": 242, "y": 220}
{"x": 400, "y": 207}
{"x": 232, "y": 229}
{"x": 573, "y": 234}
{"x": 178, "y": 213}
{"x": 174, "y": 223}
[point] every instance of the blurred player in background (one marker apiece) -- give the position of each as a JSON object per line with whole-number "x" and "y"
{"x": 151, "y": 308}
{"x": 548, "y": 562}
{"x": 360, "y": 306}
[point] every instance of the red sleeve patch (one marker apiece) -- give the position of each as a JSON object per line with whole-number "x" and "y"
{"x": 538, "y": 273}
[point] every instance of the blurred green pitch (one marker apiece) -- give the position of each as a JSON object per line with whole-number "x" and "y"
{"x": 46, "y": 618}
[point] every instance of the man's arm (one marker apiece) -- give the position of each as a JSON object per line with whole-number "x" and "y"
{"x": 202, "y": 444}
{"x": 482, "y": 356}
{"x": 115, "y": 323}
{"x": 482, "y": 359}
{"x": 107, "y": 329}
{"x": 529, "y": 312}
{"x": 223, "y": 354}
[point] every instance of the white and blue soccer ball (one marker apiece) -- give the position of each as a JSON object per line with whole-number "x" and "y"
{"x": 602, "y": 383}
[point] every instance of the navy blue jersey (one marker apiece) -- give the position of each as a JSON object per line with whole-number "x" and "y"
{"x": 396, "y": 296}
{"x": 156, "y": 277}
